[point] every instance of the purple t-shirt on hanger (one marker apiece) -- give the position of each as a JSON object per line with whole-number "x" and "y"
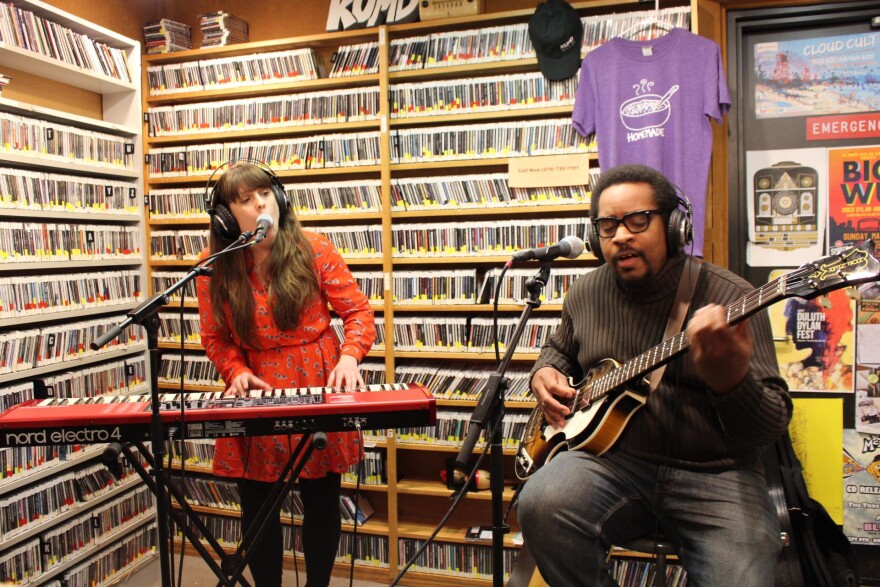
{"x": 650, "y": 102}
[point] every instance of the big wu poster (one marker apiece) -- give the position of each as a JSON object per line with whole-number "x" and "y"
{"x": 853, "y": 196}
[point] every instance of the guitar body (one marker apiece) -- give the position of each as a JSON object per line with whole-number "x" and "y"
{"x": 595, "y": 427}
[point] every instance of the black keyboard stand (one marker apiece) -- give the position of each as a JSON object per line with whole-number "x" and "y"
{"x": 270, "y": 507}
{"x": 231, "y": 568}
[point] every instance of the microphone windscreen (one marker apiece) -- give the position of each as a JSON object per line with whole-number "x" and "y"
{"x": 265, "y": 220}
{"x": 572, "y": 247}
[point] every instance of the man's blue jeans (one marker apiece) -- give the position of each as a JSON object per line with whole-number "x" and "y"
{"x": 577, "y": 505}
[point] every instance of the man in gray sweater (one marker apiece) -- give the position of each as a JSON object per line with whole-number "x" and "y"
{"x": 687, "y": 463}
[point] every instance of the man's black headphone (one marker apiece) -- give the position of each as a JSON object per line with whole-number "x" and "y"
{"x": 223, "y": 223}
{"x": 679, "y": 230}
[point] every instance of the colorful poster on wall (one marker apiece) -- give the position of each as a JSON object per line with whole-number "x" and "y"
{"x": 785, "y": 196}
{"x": 868, "y": 363}
{"x": 853, "y": 196}
{"x": 814, "y": 341}
{"x": 823, "y": 75}
{"x": 861, "y": 487}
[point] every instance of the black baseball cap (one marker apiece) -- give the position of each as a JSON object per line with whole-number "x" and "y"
{"x": 556, "y": 32}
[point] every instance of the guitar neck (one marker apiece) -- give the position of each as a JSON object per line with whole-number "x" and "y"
{"x": 852, "y": 266}
{"x": 657, "y": 356}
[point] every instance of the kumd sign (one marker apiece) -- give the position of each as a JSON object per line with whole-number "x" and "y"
{"x": 357, "y": 14}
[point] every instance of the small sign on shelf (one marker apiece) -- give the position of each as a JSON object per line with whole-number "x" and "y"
{"x": 478, "y": 533}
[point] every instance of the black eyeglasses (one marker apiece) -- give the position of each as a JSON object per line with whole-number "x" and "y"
{"x": 635, "y": 222}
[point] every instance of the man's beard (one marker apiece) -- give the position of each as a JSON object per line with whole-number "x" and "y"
{"x": 634, "y": 283}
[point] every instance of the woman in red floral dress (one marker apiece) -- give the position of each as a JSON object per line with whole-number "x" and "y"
{"x": 265, "y": 324}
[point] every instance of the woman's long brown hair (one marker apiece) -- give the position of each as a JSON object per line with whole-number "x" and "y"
{"x": 293, "y": 280}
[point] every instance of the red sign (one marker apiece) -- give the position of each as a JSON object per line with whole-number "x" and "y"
{"x": 847, "y": 126}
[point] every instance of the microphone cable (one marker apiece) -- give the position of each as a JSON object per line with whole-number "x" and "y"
{"x": 488, "y": 433}
{"x": 496, "y": 335}
{"x": 243, "y": 244}
{"x": 183, "y": 448}
{"x": 293, "y": 527}
{"x": 462, "y": 491}
{"x": 240, "y": 243}
{"x": 358, "y": 471}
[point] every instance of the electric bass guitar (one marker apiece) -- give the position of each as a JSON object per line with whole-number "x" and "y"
{"x": 607, "y": 398}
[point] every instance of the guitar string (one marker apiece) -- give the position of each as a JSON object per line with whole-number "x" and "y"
{"x": 607, "y": 382}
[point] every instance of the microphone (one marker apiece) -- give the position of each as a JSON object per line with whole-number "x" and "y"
{"x": 264, "y": 223}
{"x": 570, "y": 247}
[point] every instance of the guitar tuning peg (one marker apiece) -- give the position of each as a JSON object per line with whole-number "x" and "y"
{"x": 824, "y": 302}
{"x": 853, "y": 293}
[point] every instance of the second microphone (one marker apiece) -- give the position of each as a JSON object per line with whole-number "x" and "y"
{"x": 571, "y": 247}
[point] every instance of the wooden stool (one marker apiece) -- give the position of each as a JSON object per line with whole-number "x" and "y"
{"x": 660, "y": 547}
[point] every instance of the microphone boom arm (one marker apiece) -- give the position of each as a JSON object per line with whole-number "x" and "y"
{"x": 142, "y": 312}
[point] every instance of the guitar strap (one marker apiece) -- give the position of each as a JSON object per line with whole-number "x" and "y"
{"x": 687, "y": 283}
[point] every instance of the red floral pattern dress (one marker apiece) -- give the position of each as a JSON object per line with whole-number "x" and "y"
{"x": 301, "y": 357}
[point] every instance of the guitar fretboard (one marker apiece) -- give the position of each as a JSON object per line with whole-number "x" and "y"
{"x": 751, "y": 303}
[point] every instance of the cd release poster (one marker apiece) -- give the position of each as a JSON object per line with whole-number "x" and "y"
{"x": 861, "y": 487}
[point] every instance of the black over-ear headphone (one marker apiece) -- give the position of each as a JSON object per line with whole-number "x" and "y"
{"x": 223, "y": 223}
{"x": 679, "y": 230}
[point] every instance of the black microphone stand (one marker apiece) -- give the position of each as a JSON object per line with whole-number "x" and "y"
{"x": 147, "y": 316}
{"x": 488, "y": 415}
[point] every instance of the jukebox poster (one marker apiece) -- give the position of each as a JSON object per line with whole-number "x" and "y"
{"x": 786, "y": 192}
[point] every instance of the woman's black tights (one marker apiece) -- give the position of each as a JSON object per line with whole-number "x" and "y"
{"x": 321, "y": 529}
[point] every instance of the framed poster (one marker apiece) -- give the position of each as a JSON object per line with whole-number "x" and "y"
{"x": 817, "y": 75}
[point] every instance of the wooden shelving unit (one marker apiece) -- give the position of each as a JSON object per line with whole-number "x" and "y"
{"x": 118, "y": 115}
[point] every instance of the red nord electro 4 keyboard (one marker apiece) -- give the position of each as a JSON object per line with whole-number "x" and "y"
{"x": 126, "y": 418}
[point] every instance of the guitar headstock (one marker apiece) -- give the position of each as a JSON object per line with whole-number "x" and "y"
{"x": 851, "y": 266}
